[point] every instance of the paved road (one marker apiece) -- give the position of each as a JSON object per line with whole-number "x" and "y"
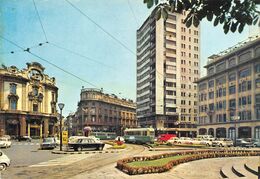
{"x": 27, "y": 153}
{"x": 69, "y": 166}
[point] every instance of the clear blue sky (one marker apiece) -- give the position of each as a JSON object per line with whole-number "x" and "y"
{"x": 68, "y": 28}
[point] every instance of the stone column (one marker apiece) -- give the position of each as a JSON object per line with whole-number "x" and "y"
{"x": 46, "y": 127}
{"x": 252, "y": 132}
{"x": 40, "y": 130}
{"x": 22, "y": 126}
{"x": 29, "y": 130}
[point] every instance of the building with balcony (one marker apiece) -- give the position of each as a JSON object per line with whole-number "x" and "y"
{"x": 229, "y": 95}
{"x": 167, "y": 65}
{"x": 103, "y": 112}
{"x": 27, "y": 101}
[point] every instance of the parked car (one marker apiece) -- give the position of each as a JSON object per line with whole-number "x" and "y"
{"x": 184, "y": 140}
{"x": 86, "y": 143}
{"x": 5, "y": 142}
{"x": 256, "y": 142}
{"x": 24, "y": 138}
{"x": 48, "y": 143}
{"x": 244, "y": 143}
{"x": 165, "y": 137}
{"x": 222, "y": 142}
{"x": 173, "y": 140}
{"x": 4, "y": 161}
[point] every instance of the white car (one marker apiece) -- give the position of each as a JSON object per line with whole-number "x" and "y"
{"x": 5, "y": 142}
{"x": 4, "y": 161}
{"x": 173, "y": 140}
{"x": 223, "y": 142}
{"x": 184, "y": 140}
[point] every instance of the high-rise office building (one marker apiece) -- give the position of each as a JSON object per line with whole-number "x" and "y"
{"x": 168, "y": 56}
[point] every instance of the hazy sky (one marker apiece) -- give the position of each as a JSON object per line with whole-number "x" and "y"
{"x": 68, "y": 28}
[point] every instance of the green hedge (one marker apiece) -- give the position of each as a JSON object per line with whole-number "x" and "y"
{"x": 186, "y": 156}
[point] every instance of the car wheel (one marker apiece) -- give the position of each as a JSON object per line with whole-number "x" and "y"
{"x": 3, "y": 166}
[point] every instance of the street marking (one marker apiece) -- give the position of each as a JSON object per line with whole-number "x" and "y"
{"x": 66, "y": 160}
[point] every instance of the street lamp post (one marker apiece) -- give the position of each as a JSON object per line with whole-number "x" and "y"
{"x": 61, "y": 106}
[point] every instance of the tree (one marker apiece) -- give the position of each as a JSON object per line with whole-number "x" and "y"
{"x": 232, "y": 14}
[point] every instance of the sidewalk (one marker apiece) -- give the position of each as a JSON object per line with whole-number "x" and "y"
{"x": 206, "y": 168}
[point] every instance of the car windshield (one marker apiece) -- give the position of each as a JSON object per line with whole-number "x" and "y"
{"x": 48, "y": 140}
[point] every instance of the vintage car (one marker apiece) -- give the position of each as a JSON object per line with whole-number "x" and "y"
{"x": 24, "y": 138}
{"x": 222, "y": 142}
{"x": 81, "y": 143}
{"x": 48, "y": 143}
{"x": 4, "y": 161}
{"x": 5, "y": 142}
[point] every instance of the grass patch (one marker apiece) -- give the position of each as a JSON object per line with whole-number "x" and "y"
{"x": 158, "y": 162}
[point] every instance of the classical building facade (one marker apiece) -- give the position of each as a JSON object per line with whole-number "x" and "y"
{"x": 27, "y": 101}
{"x": 103, "y": 112}
{"x": 229, "y": 95}
{"x": 168, "y": 56}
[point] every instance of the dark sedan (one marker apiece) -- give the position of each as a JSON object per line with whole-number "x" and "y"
{"x": 87, "y": 143}
{"x": 24, "y": 138}
{"x": 244, "y": 143}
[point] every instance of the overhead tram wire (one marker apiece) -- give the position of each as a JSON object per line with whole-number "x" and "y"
{"x": 99, "y": 26}
{"x": 80, "y": 55}
{"x": 26, "y": 49}
{"x": 35, "y": 7}
{"x": 56, "y": 66}
{"x": 129, "y": 4}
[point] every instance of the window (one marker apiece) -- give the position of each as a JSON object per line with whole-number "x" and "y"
{"x": 211, "y": 84}
{"x": 53, "y": 96}
{"x": 257, "y": 99}
{"x": 13, "y": 88}
{"x": 221, "y": 80}
{"x": 35, "y": 107}
{"x": 211, "y": 106}
{"x": 244, "y": 73}
{"x": 257, "y": 83}
{"x": 13, "y": 103}
{"x": 257, "y": 132}
{"x": 232, "y": 89}
{"x": 257, "y": 68}
{"x": 232, "y": 103}
{"x": 232, "y": 77}
{"x": 211, "y": 95}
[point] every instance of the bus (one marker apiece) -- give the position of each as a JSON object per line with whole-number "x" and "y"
{"x": 139, "y": 135}
{"x": 104, "y": 135}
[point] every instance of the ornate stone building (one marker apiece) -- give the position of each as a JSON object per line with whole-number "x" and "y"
{"x": 229, "y": 95}
{"x": 27, "y": 101}
{"x": 103, "y": 112}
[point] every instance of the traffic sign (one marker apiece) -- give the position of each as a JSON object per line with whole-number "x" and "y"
{"x": 64, "y": 137}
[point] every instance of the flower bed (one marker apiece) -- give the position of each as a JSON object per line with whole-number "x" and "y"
{"x": 127, "y": 165}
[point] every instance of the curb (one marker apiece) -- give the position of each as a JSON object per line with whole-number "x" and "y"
{"x": 85, "y": 152}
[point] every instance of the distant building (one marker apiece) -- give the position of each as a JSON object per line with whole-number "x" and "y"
{"x": 229, "y": 96}
{"x": 167, "y": 66}
{"x": 27, "y": 101}
{"x": 103, "y": 112}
